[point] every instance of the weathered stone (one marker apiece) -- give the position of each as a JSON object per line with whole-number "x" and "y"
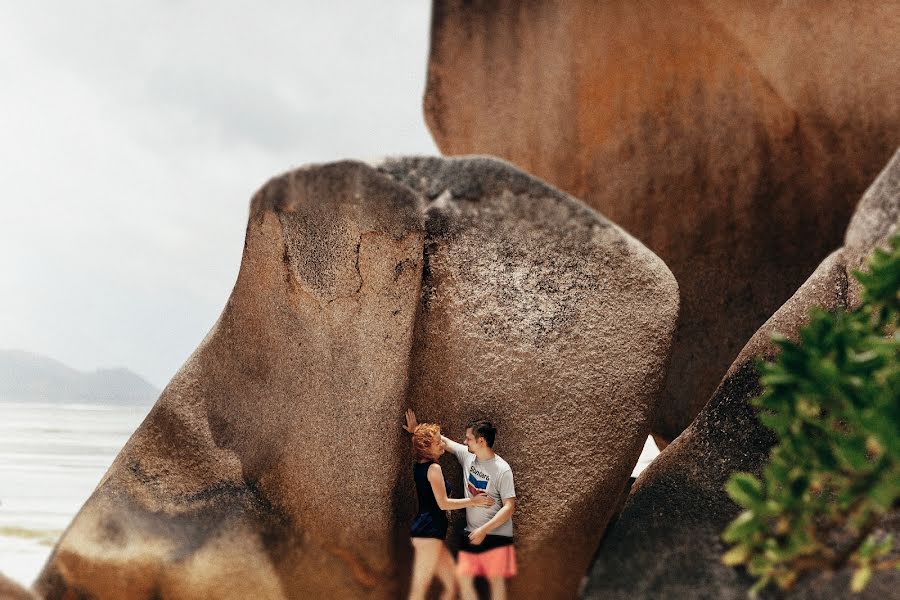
{"x": 732, "y": 138}
{"x": 545, "y": 317}
{"x": 667, "y": 543}
{"x": 265, "y": 469}
{"x": 10, "y": 590}
{"x": 273, "y": 465}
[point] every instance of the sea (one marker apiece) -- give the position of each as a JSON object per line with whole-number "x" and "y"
{"x": 51, "y": 458}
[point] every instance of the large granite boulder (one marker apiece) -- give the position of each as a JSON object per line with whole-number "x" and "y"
{"x": 265, "y": 469}
{"x": 732, "y": 138}
{"x": 550, "y": 320}
{"x": 273, "y": 464}
{"x": 666, "y": 543}
{"x": 10, "y": 590}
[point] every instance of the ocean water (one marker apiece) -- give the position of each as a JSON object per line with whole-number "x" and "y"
{"x": 648, "y": 453}
{"x": 51, "y": 458}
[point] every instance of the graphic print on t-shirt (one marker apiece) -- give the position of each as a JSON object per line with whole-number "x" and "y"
{"x": 478, "y": 482}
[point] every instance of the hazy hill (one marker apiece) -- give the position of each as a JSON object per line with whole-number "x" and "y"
{"x": 31, "y": 377}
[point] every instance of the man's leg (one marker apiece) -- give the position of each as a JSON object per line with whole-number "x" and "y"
{"x": 498, "y": 588}
{"x": 467, "y": 588}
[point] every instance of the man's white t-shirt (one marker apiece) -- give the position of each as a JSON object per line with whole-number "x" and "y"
{"x": 492, "y": 477}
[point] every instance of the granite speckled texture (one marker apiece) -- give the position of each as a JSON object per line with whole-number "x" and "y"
{"x": 666, "y": 543}
{"x": 732, "y": 138}
{"x": 10, "y": 590}
{"x": 273, "y": 464}
{"x": 545, "y": 317}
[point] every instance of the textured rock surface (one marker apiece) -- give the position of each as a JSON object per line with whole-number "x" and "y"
{"x": 666, "y": 543}
{"x": 543, "y": 316}
{"x": 732, "y": 138}
{"x": 273, "y": 465}
{"x": 10, "y": 590}
{"x": 254, "y": 475}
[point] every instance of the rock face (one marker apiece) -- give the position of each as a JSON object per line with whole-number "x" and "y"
{"x": 273, "y": 464}
{"x": 667, "y": 544}
{"x": 264, "y": 471}
{"x": 545, "y": 317}
{"x": 732, "y": 138}
{"x": 10, "y": 590}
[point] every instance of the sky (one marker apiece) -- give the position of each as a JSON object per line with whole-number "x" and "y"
{"x": 133, "y": 134}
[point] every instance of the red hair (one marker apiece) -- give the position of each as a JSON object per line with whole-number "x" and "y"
{"x": 423, "y": 438}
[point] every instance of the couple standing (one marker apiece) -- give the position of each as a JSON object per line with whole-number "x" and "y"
{"x": 489, "y": 499}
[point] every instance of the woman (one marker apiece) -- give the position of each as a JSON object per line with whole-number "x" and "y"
{"x": 429, "y": 528}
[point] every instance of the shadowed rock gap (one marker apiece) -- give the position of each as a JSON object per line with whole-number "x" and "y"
{"x": 667, "y": 541}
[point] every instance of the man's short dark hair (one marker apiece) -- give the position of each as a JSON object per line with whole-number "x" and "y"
{"x": 482, "y": 428}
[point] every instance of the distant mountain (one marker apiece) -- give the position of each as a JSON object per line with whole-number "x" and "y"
{"x": 28, "y": 377}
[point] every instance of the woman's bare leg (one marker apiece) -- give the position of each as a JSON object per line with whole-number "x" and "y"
{"x": 446, "y": 571}
{"x": 427, "y": 552}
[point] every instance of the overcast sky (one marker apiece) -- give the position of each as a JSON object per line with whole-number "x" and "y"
{"x": 133, "y": 134}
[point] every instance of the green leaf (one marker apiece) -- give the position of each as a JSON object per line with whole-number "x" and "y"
{"x": 743, "y": 525}
{"x": 883, "y": 547}
{"x": 736, "y": 556}
{"x": 745, "y": 489}
{"x": 775, "y": 421}
{"x": 830, "y": 398}
{"x": 852, "y": 455}
{"x": 866, "y": 548}
{"x": 777, "y": 378}
{"x": 885, "y": 492}
{"x": 860, "y": 579}
{"x": 761, "y": 583}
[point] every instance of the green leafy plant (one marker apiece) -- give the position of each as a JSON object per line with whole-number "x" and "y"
{"x": 833, "y": 400}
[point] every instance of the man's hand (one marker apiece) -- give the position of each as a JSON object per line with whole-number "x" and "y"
{"x": 477, "y": 536}
{"x": 411, "y": 422}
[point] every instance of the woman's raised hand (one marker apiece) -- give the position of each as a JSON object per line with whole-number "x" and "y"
{"x": 411, "y": 422}
{"x": 482, "y": 501}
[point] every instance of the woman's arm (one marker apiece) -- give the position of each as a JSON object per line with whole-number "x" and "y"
{"x": 459, "y": 450}
{"x": 436, "y": 479}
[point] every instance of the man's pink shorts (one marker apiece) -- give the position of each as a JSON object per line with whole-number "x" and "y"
{"x": 499, "y": 562}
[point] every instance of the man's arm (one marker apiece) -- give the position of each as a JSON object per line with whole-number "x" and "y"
{"x": 456, "y": 448}
{"x": 503, "y": 515}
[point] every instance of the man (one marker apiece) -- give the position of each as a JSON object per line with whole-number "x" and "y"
{"x": 487, "y": 545}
